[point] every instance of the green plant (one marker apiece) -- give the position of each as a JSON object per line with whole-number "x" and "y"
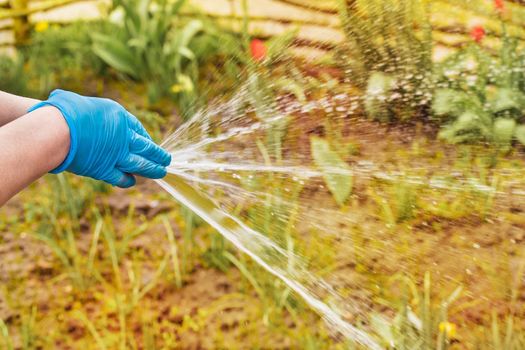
{"x": 512, "y": 336}
{"x": 28, "y": 331}
{"x": 388, "y": 54}
{"x": 152, "y": 44}
{"x": 58, "y": 55}
{"x": 336, "y": 172}
{"x": 174, "y": 253}
{"x": 255, "y": 60}
{"x": 188, "y": 243}
{"x": 63, "y": 217}
{"x": 482, "y": 98}
{"x": 12, "y": 75}
{"x": 398, "y": 200}
{"x": 426, "y": 328}
{"x": 216, "y": 255}
{"x": 508, "y": 338}
{"x": 91, "y": 328}
{"x": 258, "y": 56}
{"x": 6, "y": 338}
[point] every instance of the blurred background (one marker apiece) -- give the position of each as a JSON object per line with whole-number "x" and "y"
{"x": 422, "y": 245}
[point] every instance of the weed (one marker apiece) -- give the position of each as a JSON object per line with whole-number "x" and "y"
{"x": 216, "y": 255}
{"x": 428, "y": 329}
{"x": 189, "y": 226}
{"x": 59, "y": 234}
{"x": 4, "y": 333}
{"x": 28, "y": 329}
{"x": 174, "y": 254}
{"x": 398, "y": 202}
{"x": 337, "y": 173}
{"x": 91, "y": 328}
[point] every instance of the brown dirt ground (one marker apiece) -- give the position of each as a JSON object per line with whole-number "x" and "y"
{"x": 487, "y": 247}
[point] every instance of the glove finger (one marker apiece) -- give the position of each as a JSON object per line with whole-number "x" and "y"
{"x": 138, "y": 165}
{"x": 120, "y": 179}
{"x": 148, "y": 149}
{"x": 137, "y": 126}
{"x": 56, "y": 92}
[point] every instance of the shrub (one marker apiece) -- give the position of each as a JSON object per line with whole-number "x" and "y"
{"x": 151, "y": 43}
{"x": 56, "y": 54}
{"x": 482, "y": 98}
{"x": 388, "y": 54}
{"x": 12, "y": 76}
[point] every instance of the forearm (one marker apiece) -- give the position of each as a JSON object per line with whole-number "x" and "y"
{"x": 31, "y": 146}
{"x": 13, "y": 107}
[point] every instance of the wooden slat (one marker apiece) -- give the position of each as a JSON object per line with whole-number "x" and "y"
{"x": 451, "y": 19}
{"x": 40, "y": 7}
{"x": 258, "y": 18}
{"x": 317, "y": 19}
{"x": 79, "y": 10}
{"x": 328, "y": 6}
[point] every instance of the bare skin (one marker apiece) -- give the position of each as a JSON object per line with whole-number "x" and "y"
{"x": 31, "y": 144}
{"x": 13, "y": 107}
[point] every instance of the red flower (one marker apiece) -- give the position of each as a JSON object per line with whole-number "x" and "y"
{"x": 477, "y": 33}
{"x": 499, "y": 5}
{"x": 258, "y": 50}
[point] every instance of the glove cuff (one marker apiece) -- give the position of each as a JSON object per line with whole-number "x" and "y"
{"x": 72, "y": 135}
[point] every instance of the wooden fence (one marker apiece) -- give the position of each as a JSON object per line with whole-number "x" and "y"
{"x": 17, "y": 17}
{"x": 317, "y": 20}
{"x": 320, "y": 29}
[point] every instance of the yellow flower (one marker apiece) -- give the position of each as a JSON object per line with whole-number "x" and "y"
{"x": 41, "y": 26}
{"x": 176, "y": 88}
{"x": 184, "y": 84}
{"x": 449, "y": 329}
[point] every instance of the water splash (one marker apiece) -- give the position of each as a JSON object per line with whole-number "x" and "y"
{"x": 252, "y": 178}
{"x": 266, "y": 253}
{"x": 379, "y": 208}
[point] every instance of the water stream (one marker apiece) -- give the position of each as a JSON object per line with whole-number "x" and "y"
{"x": 377, "y": 208}
{"x": 277, "y": 208}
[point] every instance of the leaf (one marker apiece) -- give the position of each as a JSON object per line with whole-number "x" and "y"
{"x": 142, "y": 9}
{"x": 278, "y": 44}
{"x": 184, "y": 51}
{"x": 453, "y": 297}
{"x": 181, "y": 41}
{"x": 293, "y": 87}
{"x": 176, "y": 7}
{"x": 117, "y": 16}
{"x": 379, "y": 87}
{"x": 189, "y": 32}
{"x": 507, "y": 99}
{"x": 138, "y": 42}
{"x": 504, "y": 129}
{"x": 414, "y": 320}
{"x": 520, "y": 134}
{"x": 445, "y": 102}
{"x": 468, "y": 127}
{"x": 336, "y": 172}
{"x": 383, "y": 328}
{"x": 116, "y": 54}
{"x": 467, "y": 122}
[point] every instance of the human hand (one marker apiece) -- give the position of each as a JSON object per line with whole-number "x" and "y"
{"x": 107, "y": 142}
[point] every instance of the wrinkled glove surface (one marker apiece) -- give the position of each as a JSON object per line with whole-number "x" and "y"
{"x": 107, "y": 142}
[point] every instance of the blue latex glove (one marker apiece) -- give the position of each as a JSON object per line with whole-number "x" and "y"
{"x": 107, "y": 142}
